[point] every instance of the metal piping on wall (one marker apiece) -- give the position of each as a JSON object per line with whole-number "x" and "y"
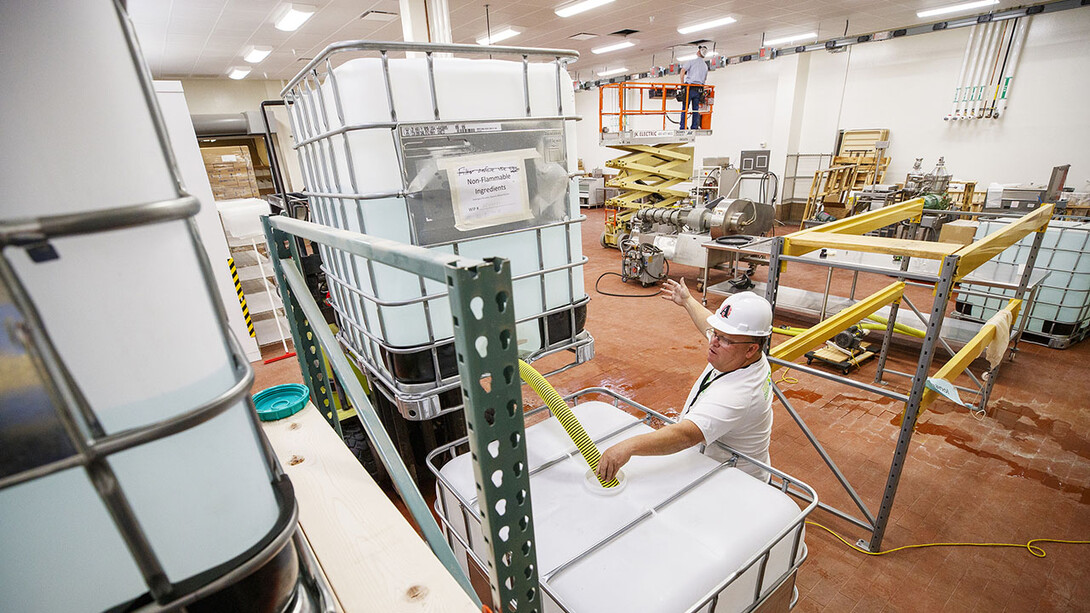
{"x": 838, "y": 43}
{"x": 991, "y": 57}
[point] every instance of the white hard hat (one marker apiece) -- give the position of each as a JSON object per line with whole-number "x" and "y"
{"x": 743, "y": 313}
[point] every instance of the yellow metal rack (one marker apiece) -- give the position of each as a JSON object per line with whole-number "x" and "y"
{"x": 955, "y": 262}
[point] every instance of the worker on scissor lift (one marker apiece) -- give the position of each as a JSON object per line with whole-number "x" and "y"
{"x": 693, "y": 75}
{"x": 731, "y": 401}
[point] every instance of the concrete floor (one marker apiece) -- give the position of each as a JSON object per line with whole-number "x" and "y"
{"x": 1020, "y": 473}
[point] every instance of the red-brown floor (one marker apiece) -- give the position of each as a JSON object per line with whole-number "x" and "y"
{"x": 1020, "y": 473}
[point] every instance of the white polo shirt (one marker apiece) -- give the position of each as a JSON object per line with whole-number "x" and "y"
{"x": 735, "y": 408}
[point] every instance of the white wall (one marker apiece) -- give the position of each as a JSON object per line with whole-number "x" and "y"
{"x": 796, "y": 104}
{"x": 211, "y": 96}
{"x": 183, "y": 141}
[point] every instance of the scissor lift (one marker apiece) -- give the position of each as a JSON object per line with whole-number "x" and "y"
{"x": 657, "y": 155}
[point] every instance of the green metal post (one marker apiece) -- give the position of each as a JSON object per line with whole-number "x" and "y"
{"x": 307, "y": 350}
{"x": 484, "y": 338}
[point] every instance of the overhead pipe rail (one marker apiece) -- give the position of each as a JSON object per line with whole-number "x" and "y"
{"x": 956, "y": 262}
{"x": 845, "y": 41}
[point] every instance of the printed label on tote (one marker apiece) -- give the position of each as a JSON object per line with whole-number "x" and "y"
{"x": 489, "y": 189}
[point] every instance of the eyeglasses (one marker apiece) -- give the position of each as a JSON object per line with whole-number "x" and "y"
{"x": 722, "y": 340}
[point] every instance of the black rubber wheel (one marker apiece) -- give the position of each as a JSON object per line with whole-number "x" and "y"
{"x": 809, "y": 360}
{"x": 356, "y": 439}
{"x": 602, "y": 240}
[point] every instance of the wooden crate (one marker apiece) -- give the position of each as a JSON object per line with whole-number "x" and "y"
{"x": 829, "y": 188}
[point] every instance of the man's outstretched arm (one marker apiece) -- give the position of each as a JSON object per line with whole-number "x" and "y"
{"x": 664, "y": 441}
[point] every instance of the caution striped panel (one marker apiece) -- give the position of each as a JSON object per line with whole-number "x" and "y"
{"x": 241, "y": 296}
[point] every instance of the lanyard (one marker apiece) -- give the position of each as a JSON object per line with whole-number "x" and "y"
{"x": 705, "y": 384}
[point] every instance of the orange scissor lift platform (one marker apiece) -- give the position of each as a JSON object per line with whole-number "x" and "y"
{"x": 641, "y": 120}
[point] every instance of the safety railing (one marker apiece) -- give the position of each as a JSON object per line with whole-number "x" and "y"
{"x": 619, "y": 104}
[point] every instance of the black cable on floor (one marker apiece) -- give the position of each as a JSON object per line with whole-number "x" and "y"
{"x": 617, "y": 274}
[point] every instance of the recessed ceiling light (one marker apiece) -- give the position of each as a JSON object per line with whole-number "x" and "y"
{"x": 611, "y": 72}
{"x": 790, "y": 39}
{"x": 294, "y": 15}
{"x": 706, "y": 25}
{"x": 238, "y": 72}
{"x": 692, "y": 56}
{"x": 953, "y": 8}
{"x": 614, "y": 47}
{"x": 496, "y": 37}
{"x": 574, "y": 8}
{"x": 256, "y": 54}
{"x": 380, "y": 16}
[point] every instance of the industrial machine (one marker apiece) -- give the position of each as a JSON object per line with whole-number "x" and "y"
{"x": 679, "y": 232}
{"x": 643, "y": 262}
{"x": 658, "y": 156}
{"x": 917, "y": 183}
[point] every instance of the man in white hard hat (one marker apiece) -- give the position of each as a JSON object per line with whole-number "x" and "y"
{"x": 731, "y": 401}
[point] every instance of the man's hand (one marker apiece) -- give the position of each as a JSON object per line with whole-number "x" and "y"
{"x": 612, "y": 460}
{"x": 676, "y": 292}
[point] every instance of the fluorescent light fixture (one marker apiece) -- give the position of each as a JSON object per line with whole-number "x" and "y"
{"x": 574, "y": 8}
{"x": 611, "y": 72}
{"x": 379, "y": 16}
{"x": 238, "y": 72}
{"x": 953, "y": 8}
{"x": 791, "y": 39}
{"x": 707, "y": 25}
{"x": 256, "y": 54}
{"x": 496, "y": 37}
{"x": 692, "y": 56}
{"x": 293, "y": 16}
{"x": 614, "y": 47}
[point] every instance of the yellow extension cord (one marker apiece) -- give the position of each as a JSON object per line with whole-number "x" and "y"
{"x": 564, "y": 415}
{"x": 1029, "y": 545}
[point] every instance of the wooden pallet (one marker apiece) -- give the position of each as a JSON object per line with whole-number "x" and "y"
{"x": 869, "y": 170}
{"x": 829, "y": 188}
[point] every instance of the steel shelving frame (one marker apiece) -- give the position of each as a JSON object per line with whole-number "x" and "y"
{"x": 481, "y": 301}
{"x": 956, "y": 262}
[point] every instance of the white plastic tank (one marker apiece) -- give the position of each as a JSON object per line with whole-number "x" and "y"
{"x": 703, "y": 537}
{"x": 1062, "y": 304}
{"x": 134, "y": 321}
{"x": 480, "y": 102}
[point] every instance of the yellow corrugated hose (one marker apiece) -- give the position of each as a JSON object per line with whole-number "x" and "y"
{"x": 564, "y": 415}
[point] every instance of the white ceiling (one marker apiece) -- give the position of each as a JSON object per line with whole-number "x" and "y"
{"x": 203, "y": 38}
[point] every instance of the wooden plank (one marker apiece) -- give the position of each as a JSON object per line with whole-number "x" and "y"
{"x": 827, "y": 329}
{"x": 972, "y": 256}
{"x": 373, "y": 558}
{"x": 968, "y": 353}
{"x": 869, "y": 244}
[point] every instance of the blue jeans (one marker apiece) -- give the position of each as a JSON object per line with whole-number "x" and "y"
{"x": 692, "y": 99}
